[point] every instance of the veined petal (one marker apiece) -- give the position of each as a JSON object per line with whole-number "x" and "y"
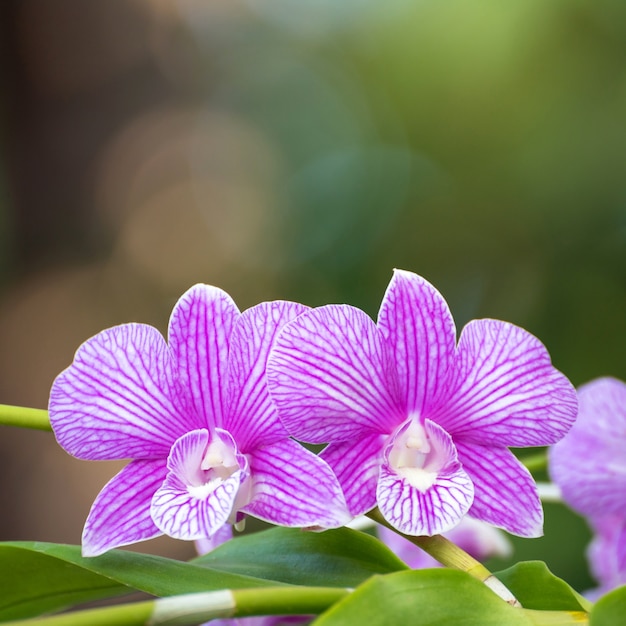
{"x": 589, "y": 463}
{"x": 116, "y": 400}
{"x": 356, "y": 464}
{"x": 291, "y": 486}
{"x": 199, "y": 337}
{"x": 331, "y": 377}
{"x": 505, "y": 493}
{"x": 252, "y": 418}
{"x": 120, "y": 514}
{"x": 506, "y": 390}
{"x": 431, "y": 497}
{"x": 418, "y": 327}
{"x": 181, "y": 514}
{"x": 204, "y": 488}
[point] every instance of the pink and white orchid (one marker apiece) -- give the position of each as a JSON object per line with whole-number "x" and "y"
{"x": 195, "y": 418}
{"x": 417, "y": 423}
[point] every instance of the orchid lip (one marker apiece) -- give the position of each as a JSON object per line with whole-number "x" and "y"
{"x": 413, "y": 455}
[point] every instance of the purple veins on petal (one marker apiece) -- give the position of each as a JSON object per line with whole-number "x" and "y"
{"x": 422, "y": 489}
{"x": 418, "y": 327}
{"x": 291, "y": 486}
{"x": 120, "y": 514}
{"x": 199, "y": 337}
{"x": 506, "y": 391}
{"x": 356, "y": 464}
{"x": 252, "y": 418}
{"x": 204, "y": 486}
{"x": 505, "y": 493}
{"x": 331, "y": 378}
{"x": 116, "y": 401}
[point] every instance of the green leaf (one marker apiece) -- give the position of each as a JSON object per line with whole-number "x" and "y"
{"x": 536, "y": 587}
{"x": 333, "y": 558}
{"x": 34, "y": 583}
{"x": 424, "y": 597}
{"x": 610, "y": 610}
{"x": 40, "y": 577}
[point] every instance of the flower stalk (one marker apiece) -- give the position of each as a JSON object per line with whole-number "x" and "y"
{"x": 24, "y": 417}
{"x": 450, "y": 555}
{"x": 193, "y": 608}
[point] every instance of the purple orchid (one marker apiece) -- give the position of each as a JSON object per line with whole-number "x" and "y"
{"x": 195, "y": 417}
{"x": 589, "y": 466}
{"x": 416, "y": 423}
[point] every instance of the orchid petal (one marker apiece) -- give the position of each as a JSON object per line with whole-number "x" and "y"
{"x": 356, "y": 465}
{"x": 589, "y": 463}
{"x": 190, "y": 504}
{"x": 330, "y": 376}
{"x": 252, "y": 418}
{"x": 291, "y": 486}
{"x": 182, "y": 515}
{"x": 115, "y": 401}
{"x": 505, "y": 493}
{"x": 120, "y": 514}
{"x": 506, "y": 392}
{"x": 417, "y": 325}
{"x": 428, "y": 500}
{"x": 199, "y": 331}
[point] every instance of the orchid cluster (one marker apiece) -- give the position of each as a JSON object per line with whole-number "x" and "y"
{"x": 413, "y": 422}
{"x": 219, "y": 419}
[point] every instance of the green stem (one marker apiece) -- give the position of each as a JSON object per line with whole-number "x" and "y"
{"x": 24, "y": 417}
{"x": 450, "y": 555}
{"x": 287, "y": 600}
{"x": 195, "y": 608}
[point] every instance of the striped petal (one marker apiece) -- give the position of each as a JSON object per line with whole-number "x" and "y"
{"x": 120, "y": 514}
{"x": 356, "y": 465}
{"x": 199, "y": 494}
{"x": 506, "y": 391}
{"x": 418, "y": 327}
{"x": 199, "y": 337}
{"x": 505, "y": 493}
{"x": 589, "y": 463}
{"x": 291, "y": 486}
{"x": 428, "y": 499}
{"x": 116, "y": 401}
{"x": 331, "y": 377}
{"x": 252, "y": 418}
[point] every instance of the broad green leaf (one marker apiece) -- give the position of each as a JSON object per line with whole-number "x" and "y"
{"x": 610, "y": 610}
{"x": 340, "y": 557}
{"x": 39, "y": 577}
{"x": 424, "y": 597}
{"x": 34, "y": 583}
{"x": 536, "y": 587}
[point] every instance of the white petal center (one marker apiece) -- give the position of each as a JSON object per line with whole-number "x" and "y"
{"x": 413, "y": 455}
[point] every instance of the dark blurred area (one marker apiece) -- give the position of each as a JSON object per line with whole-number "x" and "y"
{"x": 301, "y": 151}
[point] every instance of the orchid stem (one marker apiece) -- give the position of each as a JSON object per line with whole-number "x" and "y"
{"x": 24, "y": 417}
{"x": 194, "y": 608}
{"x": 450, "y": 555}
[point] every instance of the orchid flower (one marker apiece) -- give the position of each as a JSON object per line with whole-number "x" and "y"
{"x": 195, "y": 418}
{"x": 416, "y": 423}
{"x": 589, "y": 466}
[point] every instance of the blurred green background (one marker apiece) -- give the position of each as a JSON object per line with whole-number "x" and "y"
{"x": 301, "y": 150}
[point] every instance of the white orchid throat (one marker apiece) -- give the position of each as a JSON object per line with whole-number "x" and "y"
{"x": 218, "y": 464}
{"x": 417, "y": 451}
